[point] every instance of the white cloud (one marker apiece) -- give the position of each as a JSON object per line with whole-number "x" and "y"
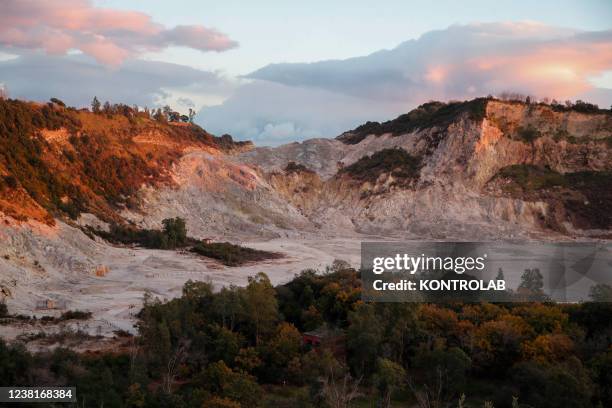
{"x": 270, "y": 114}
{"x": 76, "y": 79}
{"x": 461, "y": 62}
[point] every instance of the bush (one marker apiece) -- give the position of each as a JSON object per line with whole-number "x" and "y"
{"x": 58, "y": 102}
{"x": 397, "y": 162}
{"x": 75, "y": 315}
{"x": 530, "y": 178}
{"x": 528, "y": 134}
{"x": 232, "y": 255}
{"x": 11, "y": 182}
{"x": 175, "y": 231}
{"x": 173, "y": 235}
{"x": 293, "y": 167}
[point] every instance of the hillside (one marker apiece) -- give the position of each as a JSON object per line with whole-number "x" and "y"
{"x": 449, "y": 180}
{"x": 417, "y": 171}
{"x": 479, "y": 170}
{"x": 56, "y": 161}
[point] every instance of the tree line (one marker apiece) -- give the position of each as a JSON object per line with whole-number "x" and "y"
{"x": 163, "y": 114}
{"x": 243, "y": 347}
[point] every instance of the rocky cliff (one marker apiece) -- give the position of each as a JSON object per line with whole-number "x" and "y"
{"x": 466, "y": 153}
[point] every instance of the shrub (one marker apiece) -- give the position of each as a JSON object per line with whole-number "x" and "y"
{"x": 397, "y": 162}
{"x": 75, "y": 315}
{"x": 232, "y": 255}
{"x": 10, "y": 181}
{"x": 293, "y": 167}
{"x": 174, "y": 235}
{"x": 528, "y": 134}
{"x": 58, "y": 102}
{"x": 530, "y": 178}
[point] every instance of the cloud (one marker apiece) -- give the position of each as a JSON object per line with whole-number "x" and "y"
{"x": 77, "y": 78}
{"x": 110, "y": 36}
{"x": 461, "y": 61}
{"x": 271, "y": 114}
{"x": 186, "y": 102}
{"x": 287, "y": 102}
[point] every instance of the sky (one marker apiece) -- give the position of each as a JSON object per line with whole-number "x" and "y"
{"x": 279, "y": 71}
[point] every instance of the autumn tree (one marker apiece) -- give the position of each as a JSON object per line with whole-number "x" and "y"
{"x": 261, "y": 305}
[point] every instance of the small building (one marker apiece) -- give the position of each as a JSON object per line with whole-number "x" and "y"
{"x": 326, "y": 338}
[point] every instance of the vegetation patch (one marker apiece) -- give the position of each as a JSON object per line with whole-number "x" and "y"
{"x": 293, "y": 167}
{"x": 579, "y": 106}
{"x": 527, "y": 134}
{"x": 428, "y": 115}
{"x": 586, "y": 195}
{"x": 313, "y": 342}
{"x": 75, "y": 315}
{"x": 398, "y": 163}
{"x": 528, "y": 177}
{"x": 97, "y": 167}
{"x": 231, "y": 254}
{"x": 173, "y": 235}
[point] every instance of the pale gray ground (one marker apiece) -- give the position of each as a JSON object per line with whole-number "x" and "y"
{"x": 65, "y": 274}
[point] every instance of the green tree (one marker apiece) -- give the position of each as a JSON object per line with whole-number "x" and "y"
{"x": 176, "y": 231}
{"x": 446, "y": 368}
{"x": 135, "y": 397}
{"x": 550, "y": 386}
{"x": 389, "y": 375}
{"x": 261, "y": 305}
{"x": 532, "y": 280}
{"x": 221, "y": 380}
{"x": 95, "y": 105}
{"x": 248, "y": 359}
{"x": 363, "y": 339}
{"x": 601, "y": 293}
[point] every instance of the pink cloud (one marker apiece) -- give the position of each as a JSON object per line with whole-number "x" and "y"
{"x": 463, "y": 61}
{"x": 108, "y": 35}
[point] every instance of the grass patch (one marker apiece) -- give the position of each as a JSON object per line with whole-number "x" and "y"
{"x": 586, "y": 195}
{"x": 425, "y": 116}
{"x": 531, "y": 178}
{"x": 397, "y": 162}
{"x": 528, "y": 134}
{"x": 293, "y": 167}
{"x": 231, "y": 254}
